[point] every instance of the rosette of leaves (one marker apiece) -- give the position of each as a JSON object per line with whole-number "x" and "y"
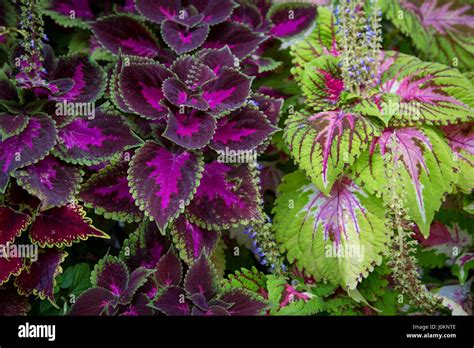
{"x": 340, "y": 142}
{"x": 192, "y": 108}
{"x": 148, "y": 279}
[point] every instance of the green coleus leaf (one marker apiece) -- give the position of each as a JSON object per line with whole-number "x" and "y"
{"x": 321, "y": 41}
{"x": 443, "y": 30}
{"x": 337, "y": 238}
{"x": 322, "y": 83}
{"x": 460, "y": 138}
{"x": 327, "y": 143}
{"x": 430, "y": 93}
{"x": 425, "y": 165}
{"x": 462, "y": 266}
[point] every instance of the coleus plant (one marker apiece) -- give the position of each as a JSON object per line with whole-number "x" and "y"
{"x": 369, "y": 114}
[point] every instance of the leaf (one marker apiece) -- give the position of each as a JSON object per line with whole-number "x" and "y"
{"x": 53, "y": 182}
{"x": 12, "y": 304}
{"x": 169, "y": 302}
{"x": 87, "y": 76}
{"x": 239, "y": 38}
{"x": 91, "y": 141}
{"x": 322, "y": 83}
{"x": 127, "y": 34}
{"x": 425, "y": 164}
{"x": 111, "y": 274}
{"x": 191, "y": 240}
{"x": 226, "y": 92}
{"x": 108, "y": 192}
{"x": 327, "y": 143}
{"x": 192, "y": 129}
{"x": 242, "y": 130}
{"x": 94, "y": 302}
{"x": 321, "y": 41}
{"x": 60, "y": 12}
{"x": 163, "y": 181}
{"x": 226, "y": 196}
{"x": 63, "y": 226}
{"x": 12, "y": 224}
{"x": 430, "y": 93}
{"x": 338, "y": 238}
{"x": 12, "y": 124}
{"x": 40, "y": 277}
{"x": 158, "y": 10}
{"x": 140, "y": 86}
{"x": 169, "y": 270}
{"x": 201, "y": 278}
{"x": 76, "y": 278}
{"x": 243, "y": 303}
{"x": 461, "y": 141}
{"x": 181, "y": 38}
{"x": 441, "y": 29}
{"x": 9, "y": 267}
{"x": 445, "y": 240}
{"x": 145, "y": 247}
{"x": 462, "y": 266}
{"x": 33, "y": 144}
{"x": 138, "y": 278}
{"x": 291, "y": 19}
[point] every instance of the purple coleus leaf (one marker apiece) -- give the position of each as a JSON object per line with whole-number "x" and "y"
{"x": 12, "y": 224}
{"x": 13, "y": 304}
{"x": 82, "y": 9}
{"x": 31, "y": 145}
{"x": 227, "y": 92}
{"x": 243, "y": 303}
{"x": 214, "y": 11}
{"x": 172, "y": 301}
{"x": 270, "y": 106}
{"x": 192, "y": 129}
{"x": 193, "y": 71}
{"x": 9, "y": 267}
{"x": 39, "y": 278}
{"x": 145, "y": 247}
{"x": 243, "y": 129}
{"x": 164, "y": 181}
{"x": 62, "y": 226}
{"x": 291, "y": 19}
{"x": 87, "y": 78}
{"x": 125, "y": 33}
{"x": 201, "y": 278}
{"x": 191, "y": 240}
{"x": 137, "y": 279}
{"x": 108, "y": 192}
{"x": 111, "y": 274}
{"x": 96, "y": 301}
{"x": 218, "y": 59}
{"x": 226, "y": 196}
{"x": 177, "y": 93}
{"x": 159, "y": 11}
{"x": 181, "y": 38}
{"x": 241, "y": 40}
{"x": 91, "y": 141}
{"x": 169, "y": 271}
{"x": 53, "y": 182}
{"x": 140, "y": 86}
{"x": 11, "y": 124}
